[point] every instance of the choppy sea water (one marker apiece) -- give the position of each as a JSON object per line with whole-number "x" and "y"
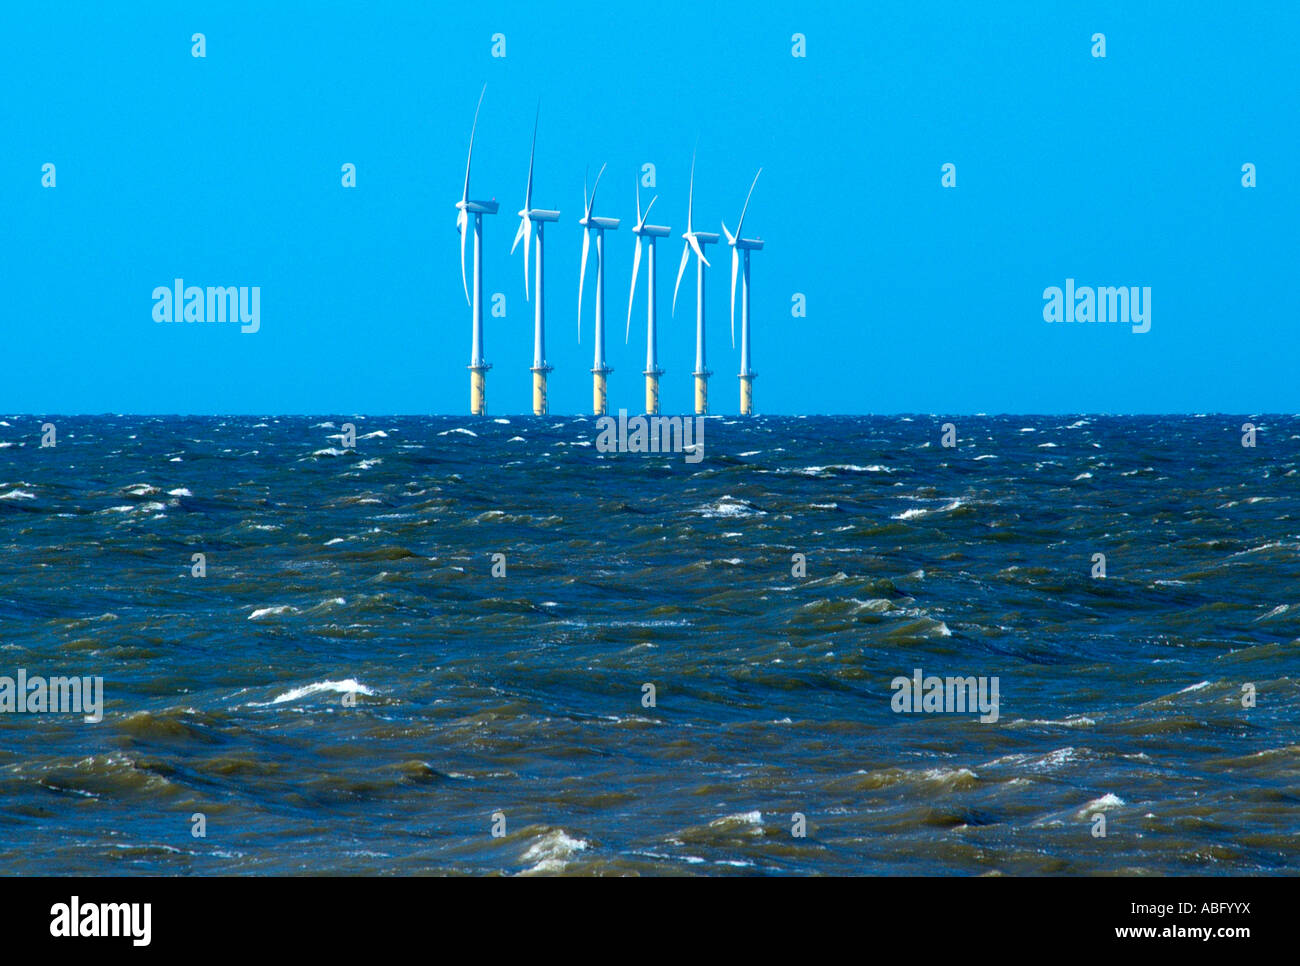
{"x": 363, "y": 577}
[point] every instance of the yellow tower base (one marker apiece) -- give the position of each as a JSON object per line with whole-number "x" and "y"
{"x": 478, "y": 390}
{"x": 652, "y": 393}
{"x": 747, "y": 395}
{"x": 701, "y": 393}
{"x": 541, "y": 406}
{"x": 599, "y": 392}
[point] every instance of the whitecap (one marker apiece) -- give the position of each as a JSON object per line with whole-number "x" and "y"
{"x": 349, "y": 686}
{"x": 551, "y": 852}
{"x": 272, "y": 611}
{"x": 1107, "y": 801}
{"x": 728, "y": 506}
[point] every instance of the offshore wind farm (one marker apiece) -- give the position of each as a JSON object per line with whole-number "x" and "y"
{"x": 595, "y": 226}
{"x": 939, "y": 597}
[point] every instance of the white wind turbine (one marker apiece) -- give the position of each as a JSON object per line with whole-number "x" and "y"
{"x": 739, "y": 244}
{"x": 590, "y": 222}
{"x": 652, "y": 232}
{"x": 528, "y": 217}
{"x": 465, "y": 207}
{"x": 695, "y": 240}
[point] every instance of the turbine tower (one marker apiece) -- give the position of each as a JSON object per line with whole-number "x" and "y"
{"x": 528, "y": 217}
{"x": 477, "y": 366}
{"x": 599, "y": 371}
{"x": 695, "y": 240}
{"x": 652, "y": 232}
{"x": 739, "y": 244}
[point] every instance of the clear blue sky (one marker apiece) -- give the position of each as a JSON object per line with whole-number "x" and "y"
{"x": 226, "y": 171}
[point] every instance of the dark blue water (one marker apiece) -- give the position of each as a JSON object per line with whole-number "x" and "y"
{"x": 350, "y": 689}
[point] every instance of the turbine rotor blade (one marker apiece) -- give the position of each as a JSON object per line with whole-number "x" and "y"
{"x": 582, "y": 277}
{"x": 631, "y": 295}
{"x": 646, "y": 216}
{"x": 528, "y": 192}
{"x": 741, "y": 226}
{"x": 690, "y": 198}
{"x": 470, "y": 158}
{"x": 681, "y": 270}
{"x": 735, "y": 265}
{"x": 462, "y": 226}
{"x": 528, "y": 237}
{"x": 699, "y": 252}
{"x": 594, "y": 189}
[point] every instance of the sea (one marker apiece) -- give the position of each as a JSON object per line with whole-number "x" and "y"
{"x": 481, "y": 646}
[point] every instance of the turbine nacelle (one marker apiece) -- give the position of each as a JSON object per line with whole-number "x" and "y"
{"x": 653, "y": 231}
{"x": 479, "y": 207}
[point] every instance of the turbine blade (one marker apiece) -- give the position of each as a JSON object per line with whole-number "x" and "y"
{"x": 639, "y": 221}
{"x": 681, "y": 270}
{"x": 528, "y": 237}
{"x": 593, "y": 190}
{"x": 646, "y": 216}
{"x": 519, "y": 234}
{"x": 528, "y": 192}
{"x": 741, "y": 226}
{"x": 699, "y": 252}
{"x": 735, "y": 266}
{"x": 462, "y": 226}
{"x": 631, "y": 295}
{"x": 470, "y": 158}
{"x": 731, "y": 239}
{"x": 582, "y": 277}
{"x": 690, "y": 198}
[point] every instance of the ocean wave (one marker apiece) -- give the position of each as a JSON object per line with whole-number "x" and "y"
{"x": 347, "y": 686}
{"x": 728, "y": 506}
{"x": 552, "y": 852}
{"x": 272, "y": 611}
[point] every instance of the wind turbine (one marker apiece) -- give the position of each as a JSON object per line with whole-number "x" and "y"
{"x": 599, "y": 371}
{"x": 643, "y": 231}
{"x": 746, "y": 245}
{"x": 477, "y": 366}
{"x": 694, "y": 242}
{"x": 528, "y": 217}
